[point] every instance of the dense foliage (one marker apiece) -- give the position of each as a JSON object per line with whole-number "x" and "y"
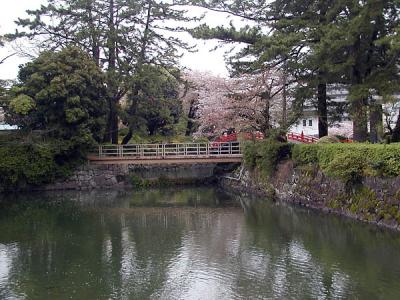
{"x": 265, "y": 155}
{"x": 351, "y": 162}
{"x": 155, "y": 108}
{"x": 62, "y": 95}
{"x": 347, "y": 162}
{"x": 60, "y": 108}
{"x": 23, "y": 165}
{"x": 121, "y": 36}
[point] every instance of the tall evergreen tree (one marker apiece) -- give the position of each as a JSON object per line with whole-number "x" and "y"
{"x": 283, "y": 37}
{"x": 157, "y": 104}
{"x": 61, "y": 95}
{"x": 360, "y": 47}
{"x": 120, "y": 35}
{"x": 320, "y": 42}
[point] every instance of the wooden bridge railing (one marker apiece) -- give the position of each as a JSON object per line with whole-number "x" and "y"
{"x": 291, "y": 136}
{"x": 160, "y": 151}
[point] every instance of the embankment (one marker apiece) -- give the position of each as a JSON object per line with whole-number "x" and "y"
{"x": 91, "y": 176}
{"x": 376, "y": 200}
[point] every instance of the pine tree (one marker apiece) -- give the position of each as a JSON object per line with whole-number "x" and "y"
{"x": 360, "y": 48}
{"x": 120, "y": 36}
{"x": 321, "y": 42}
{"x": 61, "y": 95}
{"x": 293, "y": 31}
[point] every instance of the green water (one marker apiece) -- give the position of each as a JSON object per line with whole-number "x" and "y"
{"x": 193, "y": 243}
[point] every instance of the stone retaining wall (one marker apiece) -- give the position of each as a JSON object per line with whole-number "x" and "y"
{"x": 311, "y": 188}
{"x": 91, "y": 177}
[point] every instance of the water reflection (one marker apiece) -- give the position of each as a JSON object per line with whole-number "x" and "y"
{"x": 187, "y": 244}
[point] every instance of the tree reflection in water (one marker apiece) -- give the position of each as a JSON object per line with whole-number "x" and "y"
{"x": 189, "y": 243}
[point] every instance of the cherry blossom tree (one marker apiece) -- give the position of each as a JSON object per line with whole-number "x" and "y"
{"x": 252, "y": 102}
{"x": 344, "y": 128}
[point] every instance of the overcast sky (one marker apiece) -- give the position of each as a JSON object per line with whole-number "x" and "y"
{"x": 203, "y": 60}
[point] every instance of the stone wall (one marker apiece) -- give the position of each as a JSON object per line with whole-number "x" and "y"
{"x": 91, "y": 177}
{"x": 173, "y": 172}
{"x": 376, "y": 201}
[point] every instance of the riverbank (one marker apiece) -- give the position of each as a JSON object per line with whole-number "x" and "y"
{"x": 375, "y": 201}
{"x": 120, "y": 177}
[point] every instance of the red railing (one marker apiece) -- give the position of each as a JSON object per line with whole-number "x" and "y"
{"x": 346, "y": 141}
{"x": 226, "y": 138}
{"x": 254, "y": 135}
{"x": 305, "y": 139}
{"x": 233, "y": 137}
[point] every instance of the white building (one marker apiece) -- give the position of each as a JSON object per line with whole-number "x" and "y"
{"x": 3, "y": 125}
{"x": 308, "y": 123}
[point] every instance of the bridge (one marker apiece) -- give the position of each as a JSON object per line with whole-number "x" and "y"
{"x": 183, "y": 153}
{"x": 301, "y": 138}
{"x": 307, "y": 139}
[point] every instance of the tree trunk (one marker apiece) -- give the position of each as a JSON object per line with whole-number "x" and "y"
{"x": 359, "y": 104}
{"x": 95, "y": 43}
{"x": 111, "y": 135}
{"x": 375, "y": 122}
{"x": 114, "y": 124}
{"x": 191, "y": 116}
{"x": 322, "y": 110}
{"x": 284, "y": 102}
{"x": 360, "y": 120}
{"x": 112, "y": 82}
{"x": 139, "y": 65}
{"x": 132, "y": 112}
{"x": 266, "y": 126}
{"x": 128, "y": 137}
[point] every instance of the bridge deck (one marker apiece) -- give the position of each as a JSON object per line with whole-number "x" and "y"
{"x": 155, "y": 161}
{"x": 187, "y": 153}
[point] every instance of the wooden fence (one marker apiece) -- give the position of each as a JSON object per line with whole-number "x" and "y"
{"x": 161, "y": 151}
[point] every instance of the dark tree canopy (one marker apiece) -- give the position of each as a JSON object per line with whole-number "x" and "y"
{"x": 119, "y": 35}
{"x": 61, "y": 94}
{"x": 155, "y": 107}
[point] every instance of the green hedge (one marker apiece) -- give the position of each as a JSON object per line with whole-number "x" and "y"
{"x": 265, "y": 155}
{"x": 23, "y": 165}
{"x": 351, "y": 162}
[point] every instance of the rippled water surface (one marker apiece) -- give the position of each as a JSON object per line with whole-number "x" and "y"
{"x": 192, "y": 243}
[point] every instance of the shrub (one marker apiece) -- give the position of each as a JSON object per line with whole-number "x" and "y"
{"x": 250, "y": 155}
{"x": 265, "y": 155}
{"x": 349, "y": 167}
{"x": 328, "y": 140}
{"x": 23, "y": 165}
{"x": 305, "y": 154}
{"x": 139, "y": 182}
{"x": 269, "y": 154}
{"x": 351, "y": 162}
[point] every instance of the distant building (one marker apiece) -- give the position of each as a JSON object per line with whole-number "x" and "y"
{"x": 3, "y": 125}
{"x": 308, "y": 123}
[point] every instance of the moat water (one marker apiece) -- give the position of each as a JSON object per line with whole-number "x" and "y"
{"x": 188, "y": 243}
